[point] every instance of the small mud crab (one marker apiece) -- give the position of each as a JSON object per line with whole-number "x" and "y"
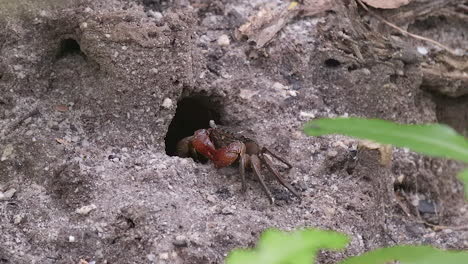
{"x": 224, "y": 148}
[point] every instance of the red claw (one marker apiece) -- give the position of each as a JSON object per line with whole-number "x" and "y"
{"x": 222, "y": 157}
{"x": 227, "y": 155}
{"x": 202, "y": 143}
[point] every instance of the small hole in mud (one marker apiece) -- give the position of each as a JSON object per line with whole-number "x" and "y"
{"x": 352, "y": 67}
{"x": 68, "y": 46}
{"x": 332, "y": 63}
{"x": 193, "y": 113}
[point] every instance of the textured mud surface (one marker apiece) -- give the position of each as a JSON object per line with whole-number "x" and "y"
{"x": 94, "y": 96}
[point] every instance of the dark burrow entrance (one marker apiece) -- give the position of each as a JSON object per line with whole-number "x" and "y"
{"x": 68, "y": 46}
{"x": 193, "y": 112}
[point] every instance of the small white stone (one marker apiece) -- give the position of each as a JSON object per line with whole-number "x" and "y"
{"x": 107, "y": 35}
{"x": 223, "y": 40}
{"x": 17, "y": 219}
{"x": 154, "y": 14}
{"x": 164, "y": 256}
{"x": 151, "y": 257}
{"x": 307, "y": 114}
{"x": 292, "y": 93}
{"x": 84, "y": 25}
{"x": 124, "y": 48}
{"x": 71, "y": 239}
{"x": 7, "y": 151}
{"x": 366, "y": 71}
{"x": 167, "y": 103}
{"x": 279, "y": 86}
{"x": 422, "y": 50}
{"x": 154, "y": 70}
{"x": 88, "y": 9}
{"x": 211, "y": 198}
{"x": 85, "y": 209}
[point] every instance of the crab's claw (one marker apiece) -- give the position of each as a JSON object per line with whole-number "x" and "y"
{"x": 202, "y": 143}
{"x": 229, "y": 154}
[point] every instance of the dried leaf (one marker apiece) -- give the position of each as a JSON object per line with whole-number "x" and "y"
{"x": 312, "y": 7}
{"x": 386, "y": 4}
{"x": 62, "y": 141}
{"x": 263, "y": 26}
{"x": 61, "y": 108}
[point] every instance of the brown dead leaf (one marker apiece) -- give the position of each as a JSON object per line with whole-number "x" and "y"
{"x": 386, "y": 151}
{"x": 386, "y": 4}
{"x": 263, "y": 26}
{"x": 312, "y": 7}
{"x": 62, "y": 141}
{"x": 61, "y": 108}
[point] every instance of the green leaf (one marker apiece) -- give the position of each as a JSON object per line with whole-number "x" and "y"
{"x": 410, "y": 255}
{"x": 434, "y": 140}
{"x": 298, "y": 247}
{"x": 464, "y": 178}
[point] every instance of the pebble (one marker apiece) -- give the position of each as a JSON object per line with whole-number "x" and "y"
{"x": 7, "y": 151}
{"x": 279, "y": 86}
{"x": 71, "y": 239}
{"x": 151, "y": 257}
{"x": 332, "y": 153}
{"x": 164, "y": 256}
{"x": 180, "y": 241}
{"x": 167, "y": 103}
{"x": 86, "y": 209}
{"x": 211, "y": 198}
{"x": 227, "y": 211}
{"x": 447, "y": 231}
{"x": 422, "y": 50}
{"x": 292, "y": 93}
{"x": 154, "y": 14}
{"x": 17, "y": 219}
{"x": 223, "y": 40}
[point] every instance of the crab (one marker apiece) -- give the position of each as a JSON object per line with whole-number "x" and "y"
{"x": 224, "y": 148}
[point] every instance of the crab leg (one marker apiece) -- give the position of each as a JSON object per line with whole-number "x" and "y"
{"x": 255, "y": 164}
{"x": 265, "y": 150}
{"x": 269, "y": 166}
{"x": 242, "y": 165}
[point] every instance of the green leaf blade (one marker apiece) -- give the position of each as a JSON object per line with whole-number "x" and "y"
{"x": 299, "y": 247}
{"x": 409, "y": 255}
{"x": 463, "y": 176}
{"x": 434, "y": 139}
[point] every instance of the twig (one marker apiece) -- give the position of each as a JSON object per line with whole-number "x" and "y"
{"x": 441, "y": 227}
{"x": 448, "y": 49}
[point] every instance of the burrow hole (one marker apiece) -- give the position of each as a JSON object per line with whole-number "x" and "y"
{"x": 193, "y": 113}
{"x": 67, "y": 47}
{"x": 332, "y": 63}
